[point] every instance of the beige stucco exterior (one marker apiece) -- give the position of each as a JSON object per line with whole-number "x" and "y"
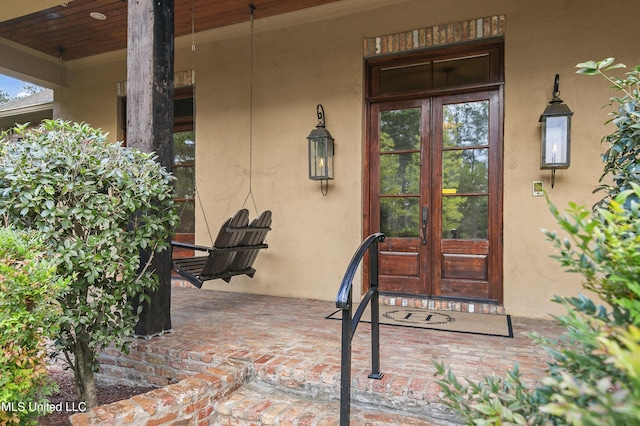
{"x": 316, "y": 56}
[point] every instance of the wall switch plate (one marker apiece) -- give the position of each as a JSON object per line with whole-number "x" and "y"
{"x": 538, "y": 189}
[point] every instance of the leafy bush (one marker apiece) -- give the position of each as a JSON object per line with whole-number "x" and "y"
{"x": 492, "y": 401}
{"x": 622, "y": 157}
{"x": 99, "y": 205}
{"x": 604, "y": 247}
{"x": 28, "y": 315}
{"x": 593, "y": 377}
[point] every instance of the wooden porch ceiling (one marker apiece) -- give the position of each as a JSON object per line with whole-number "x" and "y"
{"x": 71, "y": 30}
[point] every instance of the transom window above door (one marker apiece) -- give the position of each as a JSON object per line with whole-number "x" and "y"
{"x": 435, "y": 71}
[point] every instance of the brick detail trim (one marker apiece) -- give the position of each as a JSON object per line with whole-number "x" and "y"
{"x": 437, "y": 35}
{"x": 443, "y": 305}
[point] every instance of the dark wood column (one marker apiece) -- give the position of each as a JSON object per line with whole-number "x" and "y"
{"x": 150, "y": 50}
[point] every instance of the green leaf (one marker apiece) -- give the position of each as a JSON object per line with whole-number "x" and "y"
{"x": 605, "y": 62}
{"x": 616, "y": 66}
{"x": 485, "y": 409}
{"x": 588, "y": 64}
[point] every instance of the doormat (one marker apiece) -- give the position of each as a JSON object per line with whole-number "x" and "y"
{"x": 459, "y": 322}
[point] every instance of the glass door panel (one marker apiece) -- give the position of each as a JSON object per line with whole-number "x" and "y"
{"x": 400, "y": 172}
{"x": 467, "y": 215}
{"x": 465, "y": 170}
{"x": 398, "y": 194}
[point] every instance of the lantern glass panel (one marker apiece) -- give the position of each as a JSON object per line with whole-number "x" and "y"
{"x": 320, "y": 158}
{"x": 555, "y": 142}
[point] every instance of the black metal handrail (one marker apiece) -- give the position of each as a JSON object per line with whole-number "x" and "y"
{"x": 350, "y": 322}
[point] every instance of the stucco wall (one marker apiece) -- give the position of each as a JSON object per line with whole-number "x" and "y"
{"x": 310, "y": 58}
{"x": 91, "y": 93}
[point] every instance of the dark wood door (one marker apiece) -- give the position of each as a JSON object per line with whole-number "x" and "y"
{"x": 435, "y": 191}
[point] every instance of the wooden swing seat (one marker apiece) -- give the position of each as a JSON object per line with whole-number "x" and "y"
{"x": 233, "y": 253}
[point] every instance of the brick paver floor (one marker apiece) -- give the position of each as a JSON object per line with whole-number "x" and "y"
{"x": 290, "y": 345}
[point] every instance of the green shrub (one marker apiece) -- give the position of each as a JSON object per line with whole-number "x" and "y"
{"x": 99, "y": 205}
{"x": 595, "y": 373}
{"x": 593, "y": 377}
{"x": 622, "y": 157}
{"x": 604, "y": 247}
{"x": 28, "y": 314}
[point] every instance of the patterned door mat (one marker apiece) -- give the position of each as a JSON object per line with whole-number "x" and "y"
{"x": 460, "y": 322}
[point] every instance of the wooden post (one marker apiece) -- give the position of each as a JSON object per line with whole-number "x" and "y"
{"x": 150, "y": 48}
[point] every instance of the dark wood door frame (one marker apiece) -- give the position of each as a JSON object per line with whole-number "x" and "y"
{"x": 494, "y": 293}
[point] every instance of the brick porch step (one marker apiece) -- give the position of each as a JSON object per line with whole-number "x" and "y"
{"x": 259, "y": 404}
{"x": 405, "y": 392}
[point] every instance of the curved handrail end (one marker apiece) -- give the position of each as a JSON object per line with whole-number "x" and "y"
{"x": 342, "y": 298}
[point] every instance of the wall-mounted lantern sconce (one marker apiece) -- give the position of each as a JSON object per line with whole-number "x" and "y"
{"x": 555, "y": 135}
{"x": 321, "y": 153}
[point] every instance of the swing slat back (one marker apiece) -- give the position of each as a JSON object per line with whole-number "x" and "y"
{"x": 233, "y": 253}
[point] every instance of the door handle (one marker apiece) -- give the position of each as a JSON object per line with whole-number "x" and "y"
{"x": 425, "y": 219}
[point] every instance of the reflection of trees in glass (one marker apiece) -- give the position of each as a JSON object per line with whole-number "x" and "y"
{"x": 400, "y": 131}
{"x": 452, "y": 216}
{"x": 184, "y": 147}
{"x": 399, "y": 217}
{"x": 465, "y": 169}
{"x": 187, "y": 215}
{"x": 466, "y": 124}
{"x": 185, "y": 182}
{"x": 184, "y": 152}
{"x": 402, "y": 127}
{"x": 466, "y": 218}
{"x": 400, "y": 172}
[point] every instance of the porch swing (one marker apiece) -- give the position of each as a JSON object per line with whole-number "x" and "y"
{"x": 238, "y": 242}
{"x": 233, "y": 252}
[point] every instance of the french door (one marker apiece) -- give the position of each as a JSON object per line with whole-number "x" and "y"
{"x": 435, "y": 191}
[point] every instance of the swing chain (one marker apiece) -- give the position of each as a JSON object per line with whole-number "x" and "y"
{"x": 252, "y": 9}
{"x": 204, "y": 215}
{"x": 250, "y": 194}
